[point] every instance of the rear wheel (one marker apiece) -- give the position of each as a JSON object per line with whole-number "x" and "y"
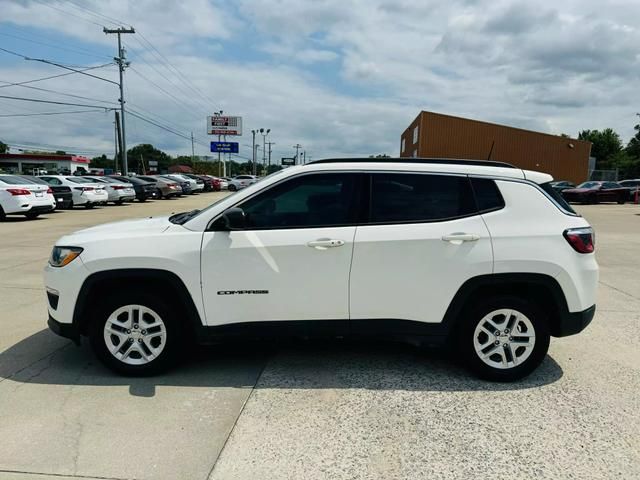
{"x": 119, "y": 202}
{"x": 503, "y": 338}
{"x": 232, "y": 188}
{"x": 621, "y": 199}
{"x": 3, "y": 215}
{"x": 136, "y": 334}
{"x": 88, "y": 205}
{"x": 31, "y": 215}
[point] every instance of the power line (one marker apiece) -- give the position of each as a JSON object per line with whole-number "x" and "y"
{"x": 41, "y": 2}
{"x": 37, "y": 100}
{"x": 73, "y": 50}
{"x": 22, "y": 145}
{"x": 96, "y": 14}
{"x": 58, "y": 93}
{"x": 54, "y": 76}
{"x": 48, "y": 113}
{"x": 55, "y": 64}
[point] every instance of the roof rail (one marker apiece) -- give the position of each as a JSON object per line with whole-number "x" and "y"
{"x": 442, "y": 161}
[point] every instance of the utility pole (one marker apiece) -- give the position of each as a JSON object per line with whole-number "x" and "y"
{"x": 297, "y": 146}
{"x": 119, "y": 138}
{"x": 304, "y": 157}
{"x": 120, "y": 60}
{"x": 264, "y": 133}
{"x": 193, "y": 154}
{"x": 269, "y": 161}
{"x": 253, "y": 167}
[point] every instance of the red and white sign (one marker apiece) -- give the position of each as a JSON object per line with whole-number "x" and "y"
{"x": 219, "y": 125}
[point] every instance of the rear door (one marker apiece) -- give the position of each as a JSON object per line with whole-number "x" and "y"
{"x": 423, "y": 240}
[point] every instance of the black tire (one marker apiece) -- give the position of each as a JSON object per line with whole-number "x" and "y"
{"x": 232, "y": 188}
{"x": 467, "y": 334}
{"x": 118, "y": 202}
{"x": 31, "y": 215}
{"x": 173, "y": 341}
{"x": 621, "y": 200}
{"x": 88, "y": 205}
{"x": 3, "y": 216}
{"x": 592, "y": 199}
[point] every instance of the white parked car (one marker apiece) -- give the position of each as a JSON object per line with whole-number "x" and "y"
{"x": 241, "y": 181}
{"x": 480, "y": 256}
{"x": 117, "y": 191}
{"x": 21, "y": 197}
{"x": 85, "y": 191}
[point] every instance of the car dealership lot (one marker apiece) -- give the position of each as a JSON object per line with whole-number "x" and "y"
{"x": 320, "y": 410}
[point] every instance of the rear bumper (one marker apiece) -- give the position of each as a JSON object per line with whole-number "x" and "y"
{"x": 574, "y": 322}
{"x": 66, "y": 330}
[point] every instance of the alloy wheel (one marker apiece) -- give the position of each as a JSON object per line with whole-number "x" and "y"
{"x": 504, "y": 338}
{"x": 135, "y": 334}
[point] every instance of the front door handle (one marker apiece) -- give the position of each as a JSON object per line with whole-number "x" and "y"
{"x": 324, "y": 243}
{"x": 459, "y": 238}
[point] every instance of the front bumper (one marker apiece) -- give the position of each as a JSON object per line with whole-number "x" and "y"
{"x": 67, "y": 330}
{"x": 574, "y": 322}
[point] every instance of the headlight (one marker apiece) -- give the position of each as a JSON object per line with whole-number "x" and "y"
{"x": 61, "y": 256}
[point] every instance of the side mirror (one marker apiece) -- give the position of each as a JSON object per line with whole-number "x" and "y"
{"x": 234, "y": 219}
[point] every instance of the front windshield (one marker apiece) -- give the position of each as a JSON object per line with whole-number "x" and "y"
{"x": 589, "y": 185}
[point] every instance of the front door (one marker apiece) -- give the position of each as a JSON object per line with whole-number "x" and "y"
{"x": 291, "y": 262}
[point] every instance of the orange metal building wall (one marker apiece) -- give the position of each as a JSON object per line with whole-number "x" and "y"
{"x": 444, "y": 136}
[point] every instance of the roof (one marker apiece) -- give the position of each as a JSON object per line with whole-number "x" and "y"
{"x": 44, "y": 157}
{"x": 461, "y": 167}
{"x": 471, "y": 120}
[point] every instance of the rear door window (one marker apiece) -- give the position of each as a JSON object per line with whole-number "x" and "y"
{"x": 413, "y": 198}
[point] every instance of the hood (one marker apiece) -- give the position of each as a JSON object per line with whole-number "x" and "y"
{"x": 141, "y": 226}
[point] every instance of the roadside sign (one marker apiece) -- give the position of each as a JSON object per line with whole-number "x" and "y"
{"x": 153, "y": 163}
{"x": 225, "y": 147}
{"x": 288, "y": 161}
{"x": 219, "y": 125}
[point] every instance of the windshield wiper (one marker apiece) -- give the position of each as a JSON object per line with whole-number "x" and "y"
{"x": 182, "y": 217}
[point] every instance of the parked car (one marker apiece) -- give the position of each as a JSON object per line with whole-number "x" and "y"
{"x": 85, "y": 192}
{"x": 562, "y": 185}
{"x": 194, "y": 187}
{"x": 242, "y": 181}
{"x": 596, "y": 192}
{"x": 62, "y": 194}
{"x": 185, "y": 184}
{"x": 208, "y": 182}
{"x": 200, "y": 182}
{"x": 118, "y": 191}
{"x": 633, "y": 186}
{"x": 144, "y": 190}
{"x": 485, "y": 258}
{"x": 165, "y": 187}
{"x": 19, "y": 196}
{"x": 216, "y": 183}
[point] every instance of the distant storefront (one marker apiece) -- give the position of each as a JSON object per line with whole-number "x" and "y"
{"x": 29, "y": 164}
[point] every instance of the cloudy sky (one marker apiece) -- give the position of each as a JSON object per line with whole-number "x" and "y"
{"x": 339, "y": 77}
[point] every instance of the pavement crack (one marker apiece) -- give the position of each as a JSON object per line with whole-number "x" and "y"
{"x": 244, "y": 404}
{"x": 49, "y": 355}
{"x": 62, "y": 475}
{"x": 619, "y": 290}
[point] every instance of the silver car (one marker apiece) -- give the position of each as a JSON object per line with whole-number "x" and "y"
{"x": 118, "y": 192}
{"x": 241, "y": 181}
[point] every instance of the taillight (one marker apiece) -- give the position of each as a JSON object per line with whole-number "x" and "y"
{"x": 581, "y": 239}
{"x": 117, "y": 187}
{"x": 49, "y": 190}
{"x": 18, "y": 191}
{"x": 84, "y": 189}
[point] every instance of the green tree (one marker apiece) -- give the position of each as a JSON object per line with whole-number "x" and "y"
{"x": 102, "y": 162}
{"x": 147, "y": 153}
{"x": 606, "y": 144}
{"x": 4, "y": 148}
{"x": 182, "y": 160}
{"x": 633, "y": 147}
{"x": 380, "y": 155}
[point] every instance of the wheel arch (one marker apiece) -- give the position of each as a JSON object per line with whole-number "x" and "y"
{"x": 543, "y": 289}
{"x": 165, "y": 283}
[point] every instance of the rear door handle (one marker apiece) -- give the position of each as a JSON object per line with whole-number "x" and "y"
{"x": 459, "y": 238}
{"x": 324, "y": 243}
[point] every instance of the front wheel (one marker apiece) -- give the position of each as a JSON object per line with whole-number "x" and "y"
{"x": 503, "y": 338}
{"x": 32, "y": 215}
{"x": 621, "y": 200}
{"x": 88, "y": 205}
{"x": 232, "y": 188}
{"x": 136, "y": 334}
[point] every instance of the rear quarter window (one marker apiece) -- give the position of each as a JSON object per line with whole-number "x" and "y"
{"x": 487, "y": 195}
{"x": 557, "y": 198}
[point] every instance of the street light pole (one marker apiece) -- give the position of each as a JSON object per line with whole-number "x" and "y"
{"x": 253, "y": 154}
{"x": 269, "y": 161}
{"x": 264, "y": 134}
{"x": 297, "y": 146}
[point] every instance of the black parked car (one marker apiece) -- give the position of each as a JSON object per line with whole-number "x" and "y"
{"x": 633, "y": 186}
{"x": 208, "y": 182}
{"x": 562, "y": 185}
{"x": 144, "y": 189}
{"x": 62, "y": 194}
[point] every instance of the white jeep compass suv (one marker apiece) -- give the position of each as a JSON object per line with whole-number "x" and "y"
{"x": 481, "y": 256}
